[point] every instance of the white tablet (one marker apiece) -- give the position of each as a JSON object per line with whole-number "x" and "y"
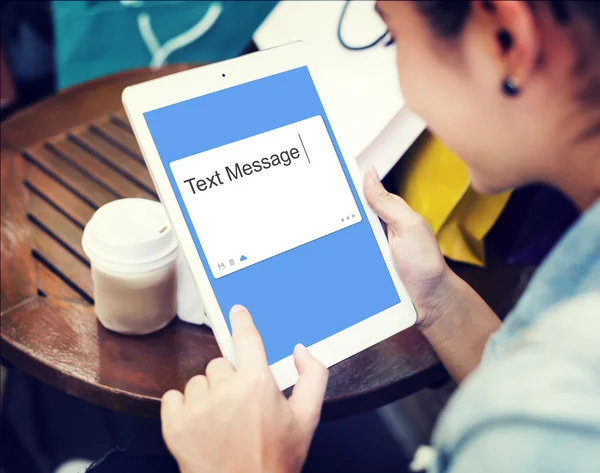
{"x": 268, "y": 211}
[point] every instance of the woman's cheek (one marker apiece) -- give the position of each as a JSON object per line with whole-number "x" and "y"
{"x": 412, "y": 75}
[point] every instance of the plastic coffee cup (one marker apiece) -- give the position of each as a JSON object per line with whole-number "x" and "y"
{"x": 134, "y": 258}
{"x": 189, "y": 304}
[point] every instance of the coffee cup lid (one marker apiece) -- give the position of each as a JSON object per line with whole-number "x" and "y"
{"x": 130, "y": 235}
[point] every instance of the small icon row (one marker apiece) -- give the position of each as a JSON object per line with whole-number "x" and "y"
{"x": 349, "y": 217}
{"x": 232, "y": 262}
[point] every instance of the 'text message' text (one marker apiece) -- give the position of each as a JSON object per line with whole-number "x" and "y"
{"x": 264, "y": 195}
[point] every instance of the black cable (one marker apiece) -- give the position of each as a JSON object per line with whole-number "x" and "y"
{"x": 356, "y": 48}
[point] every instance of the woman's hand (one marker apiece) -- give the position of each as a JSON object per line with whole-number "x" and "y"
{"x": 453, "y": 317}
{"x": 415, "y": 251}
{"x": 237, "y": 420}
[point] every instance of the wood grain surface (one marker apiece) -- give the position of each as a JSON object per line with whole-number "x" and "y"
{"x": 61, "y": 160}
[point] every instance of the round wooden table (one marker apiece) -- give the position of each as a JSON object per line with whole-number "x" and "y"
{"x": 63, "y": 158}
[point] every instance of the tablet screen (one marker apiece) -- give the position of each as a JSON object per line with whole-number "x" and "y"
{"x": 274, "y": 215}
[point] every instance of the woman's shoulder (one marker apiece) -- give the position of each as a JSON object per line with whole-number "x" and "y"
{"x": 535, "y": 408}
{"x": 571, "y": 269}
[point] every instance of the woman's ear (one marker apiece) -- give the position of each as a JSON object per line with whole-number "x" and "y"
{"x": 516, "y": 41}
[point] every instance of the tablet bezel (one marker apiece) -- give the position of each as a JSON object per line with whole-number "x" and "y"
{"x": 181, "y": 86}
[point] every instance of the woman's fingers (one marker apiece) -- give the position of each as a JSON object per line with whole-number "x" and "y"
{"x": 218, "y": 370}
{"x": 195, "y": 387}
{"x": 307, "y": 397}
{"x": 389, "y": 207}
{"x": 171, "y": 402}
{"x": 249, "y": 348}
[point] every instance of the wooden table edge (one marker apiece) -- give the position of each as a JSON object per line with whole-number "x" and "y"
{"x": 97, "y": 394}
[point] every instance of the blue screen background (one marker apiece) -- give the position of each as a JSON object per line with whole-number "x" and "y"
{"x": 310, "y": 292}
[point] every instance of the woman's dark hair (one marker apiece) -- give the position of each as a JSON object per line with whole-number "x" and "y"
{"x": 447, "y": 17}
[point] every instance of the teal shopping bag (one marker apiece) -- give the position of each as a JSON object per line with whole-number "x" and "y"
{"x": 96, "y": 38}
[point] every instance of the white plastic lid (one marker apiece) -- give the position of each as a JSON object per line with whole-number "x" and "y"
{"x": 130, "y": 235}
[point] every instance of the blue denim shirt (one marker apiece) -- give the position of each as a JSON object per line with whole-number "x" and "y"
{"x": 533, "y": 404}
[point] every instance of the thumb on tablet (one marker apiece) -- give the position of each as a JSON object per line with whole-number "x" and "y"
{"x": 390, "y": 208}
{"x": 307, "y": 398}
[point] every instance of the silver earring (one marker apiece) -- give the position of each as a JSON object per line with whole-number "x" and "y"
{"x": 510, "y": 86}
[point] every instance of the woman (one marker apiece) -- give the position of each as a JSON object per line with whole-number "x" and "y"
{"x": 514, "y": 89}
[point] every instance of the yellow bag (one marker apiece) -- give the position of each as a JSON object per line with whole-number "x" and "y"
{"x": 435, "y": 183}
